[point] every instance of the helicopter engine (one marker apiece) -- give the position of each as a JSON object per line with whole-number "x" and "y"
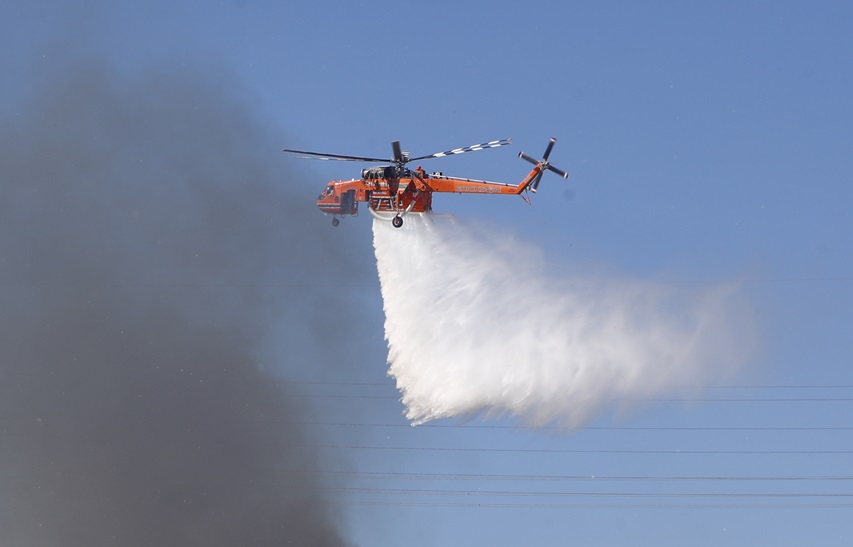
{"x": 383, "y": 172}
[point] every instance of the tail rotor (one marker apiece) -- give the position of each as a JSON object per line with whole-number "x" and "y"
{"x": 543, "y": 165}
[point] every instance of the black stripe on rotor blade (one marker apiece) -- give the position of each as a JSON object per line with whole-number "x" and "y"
{"x": 472, "y": 148}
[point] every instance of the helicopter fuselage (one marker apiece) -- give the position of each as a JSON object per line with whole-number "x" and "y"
{"x": 411, "y": 192}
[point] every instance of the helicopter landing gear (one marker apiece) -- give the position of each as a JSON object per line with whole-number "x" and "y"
{"x": 335, "y": 222}
{"x": 397, "y": 221}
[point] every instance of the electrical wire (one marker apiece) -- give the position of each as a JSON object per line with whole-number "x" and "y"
{"x": 674, "y": 452}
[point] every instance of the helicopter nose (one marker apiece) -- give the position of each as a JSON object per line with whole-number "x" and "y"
{"x": 327, "y": 206}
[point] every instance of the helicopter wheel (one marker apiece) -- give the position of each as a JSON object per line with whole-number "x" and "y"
{"x": 335, "y": 222}
{"x": 397, "y": 221}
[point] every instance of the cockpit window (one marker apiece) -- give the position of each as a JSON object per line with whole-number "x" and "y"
{"x": 330, "y": 190}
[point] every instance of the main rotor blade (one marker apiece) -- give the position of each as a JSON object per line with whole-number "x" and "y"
{"x": 337, "y": 157}
{"x": 472, "y": 148}
{"x": 398, "y": 153}
{"x": 558, "y": 171}
{"x": 548, "y": 150}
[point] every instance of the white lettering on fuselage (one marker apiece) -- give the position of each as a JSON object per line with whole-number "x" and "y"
{"x": 477, "y": 188}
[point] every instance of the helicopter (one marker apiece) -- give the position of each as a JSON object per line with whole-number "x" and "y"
{"x": 393, "y": 191}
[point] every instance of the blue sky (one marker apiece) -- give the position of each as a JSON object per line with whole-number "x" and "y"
{"x": 705, "y": 142}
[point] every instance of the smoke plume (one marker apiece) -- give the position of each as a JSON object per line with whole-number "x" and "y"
{"x": 147, "y": 245}
{"x": 476, "y": 326}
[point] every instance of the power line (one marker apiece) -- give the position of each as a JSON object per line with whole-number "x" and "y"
{"x": 711, "y": 387}
{"x": 568, "y": 506}
{"x": 582, "y": 451}
{"x": 797, "y": 279}
{"x": 570, "y": 494}
{"x": 383, "y": 475}
{"x": 619, "y": 399}
{"x": 581, "y": 428}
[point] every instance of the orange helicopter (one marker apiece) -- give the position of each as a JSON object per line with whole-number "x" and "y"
{"x": 393, "y": 191}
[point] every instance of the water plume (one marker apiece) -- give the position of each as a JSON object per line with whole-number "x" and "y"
{"x": 476, "y": 326}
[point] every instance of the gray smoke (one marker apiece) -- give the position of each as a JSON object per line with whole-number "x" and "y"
{"x": 150, "y": 250}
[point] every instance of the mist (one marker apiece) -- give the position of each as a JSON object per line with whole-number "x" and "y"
{"x": 154, "y": 251}
{"x": 476, "y": 325}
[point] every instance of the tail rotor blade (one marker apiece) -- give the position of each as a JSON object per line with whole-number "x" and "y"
{"x": 534, "y": 184}
{"x": 525, "y": 157}
{"x": 548, "y": 150}
{"x": 558, "y": 171}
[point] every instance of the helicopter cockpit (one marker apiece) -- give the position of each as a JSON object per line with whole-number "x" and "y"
{"x": 330, "y": 189}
